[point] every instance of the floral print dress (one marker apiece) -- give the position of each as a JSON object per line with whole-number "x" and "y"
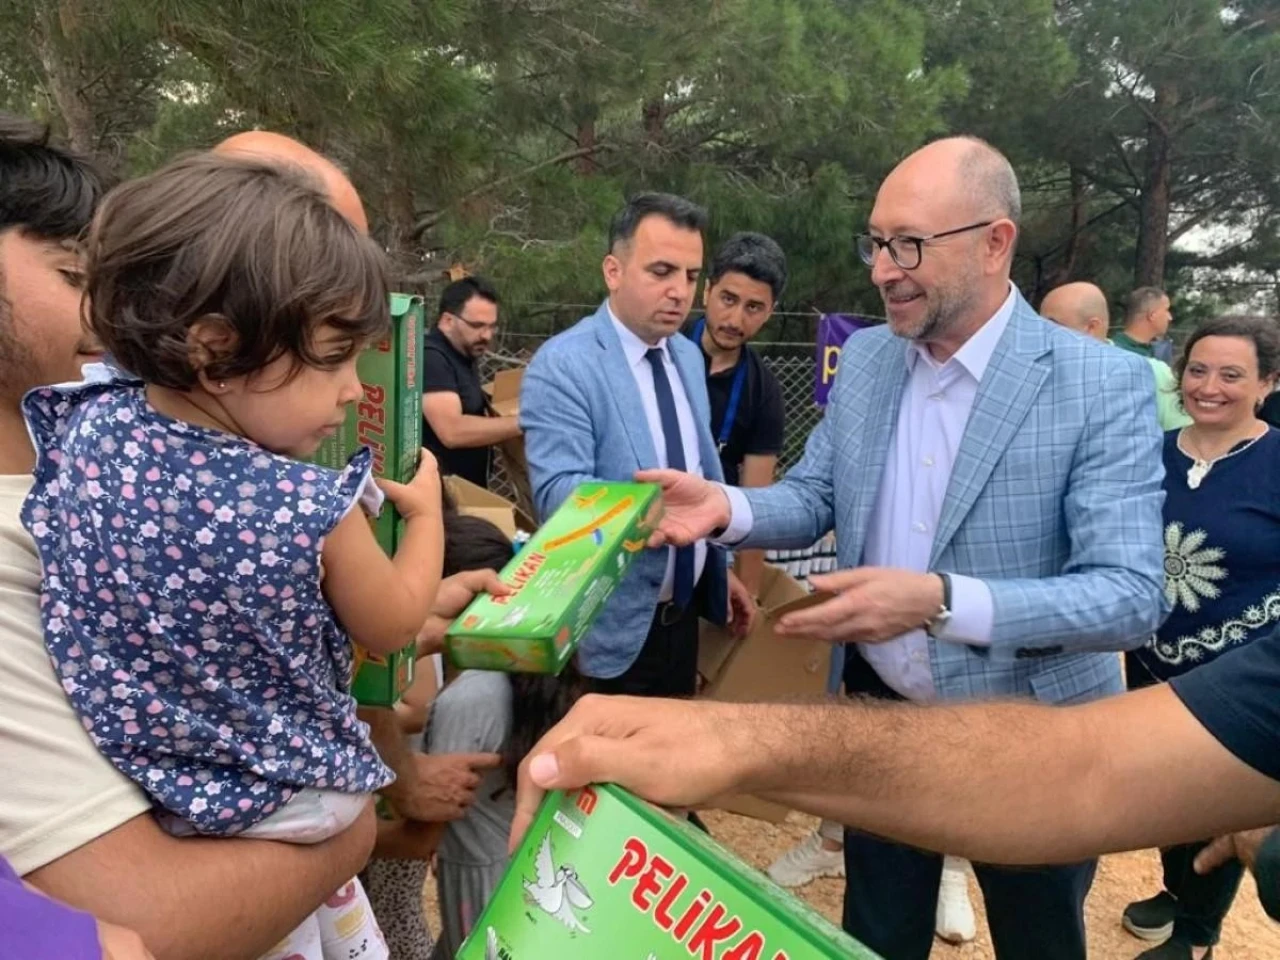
{"x": 182, "y": 605}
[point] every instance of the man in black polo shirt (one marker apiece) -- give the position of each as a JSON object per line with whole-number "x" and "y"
{"x": 458, "y": 425}
{"x": 746, "y": 279}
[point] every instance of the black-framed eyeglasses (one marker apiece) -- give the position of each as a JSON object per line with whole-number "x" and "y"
{"x": 477, "y": 325}
{"x": 906, "y": 252}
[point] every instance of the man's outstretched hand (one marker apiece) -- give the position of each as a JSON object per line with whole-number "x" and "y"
{"x": 676, "y": 753}
{"x": 693, "y": 507}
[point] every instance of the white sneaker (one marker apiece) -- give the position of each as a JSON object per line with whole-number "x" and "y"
{"x": 806, "y": 862}
{"x": 954, "y": 922}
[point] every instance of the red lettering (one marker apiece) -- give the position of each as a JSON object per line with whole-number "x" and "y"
{"x": 781, "y": 955}
{"x": 524, "y": 573}
{"x": 587, "y": 800}
{"x": 374, "y": 393}
{"x": 660, "y": 915}
{"x": 691, "y": 916}
{"x": 634, "y": 856}
{"x": 751, "y": 948}
{"x": 411, "y": 368}
{"x": 371, "y": 412}
{"x": 713, "y": 932}
{"x": 648, "y": 884}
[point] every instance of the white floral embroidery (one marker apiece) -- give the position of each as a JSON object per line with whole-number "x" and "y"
{"x": 1209, "y": 640}
{"x": 1189, "y": 571}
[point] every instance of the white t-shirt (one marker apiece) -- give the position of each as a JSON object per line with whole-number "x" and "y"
{"x": 56, "y": 791}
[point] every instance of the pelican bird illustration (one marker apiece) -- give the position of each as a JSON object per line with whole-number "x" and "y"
{"x": 491, "y": 945}
{"x": 556, "y": 891}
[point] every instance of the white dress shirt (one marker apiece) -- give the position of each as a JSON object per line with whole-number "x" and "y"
{"x": 635, "y": 349}
{"x": 935, "y": 408}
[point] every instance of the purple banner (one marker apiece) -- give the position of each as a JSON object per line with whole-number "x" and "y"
{"x": 833, "y": 330}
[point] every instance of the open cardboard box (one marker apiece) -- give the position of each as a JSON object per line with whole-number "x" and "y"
{"x": 476, "y": 501}
{"x": 504, "y": 399}
{"x": 764, "y": 666}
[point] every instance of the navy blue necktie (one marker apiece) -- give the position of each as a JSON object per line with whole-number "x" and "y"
{"x": 682, "y": 590}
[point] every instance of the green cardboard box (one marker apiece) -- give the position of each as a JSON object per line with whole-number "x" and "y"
{"x": 388, "y": 420}
{"x": 601, "y": 873}
{"x": 562, "y": 578}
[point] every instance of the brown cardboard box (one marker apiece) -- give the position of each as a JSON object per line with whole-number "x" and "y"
{"x": 476, "y": 501}
{"x": 764, "y": 666}
{"x": 504, "y": 391}
{"x": 504, "y": 398}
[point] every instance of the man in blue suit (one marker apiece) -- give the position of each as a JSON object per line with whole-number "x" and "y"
{"x": 620, "y": 392}
{"x": 994, "y": 484}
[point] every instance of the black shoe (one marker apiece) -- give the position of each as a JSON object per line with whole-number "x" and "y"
{"x": 1151, "y": 919}
{"x": 1172, "y": 949}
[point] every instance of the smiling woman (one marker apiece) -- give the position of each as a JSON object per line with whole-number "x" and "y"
{"x": 1222, "y": 566}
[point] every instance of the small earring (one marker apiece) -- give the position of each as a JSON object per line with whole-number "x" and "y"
{"x": 222, "y": 384}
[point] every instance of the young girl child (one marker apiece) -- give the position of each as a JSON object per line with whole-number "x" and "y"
{"x": 203, "y": 584}
{"x": 483, "y": 711}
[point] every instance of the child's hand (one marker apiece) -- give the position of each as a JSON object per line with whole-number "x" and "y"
{"x": 421, "y": 495}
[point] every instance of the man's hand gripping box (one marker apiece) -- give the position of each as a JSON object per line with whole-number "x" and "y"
{"x": 388, "y": 420}
{"x": 562, "y": 578}
{"x": 603, "y": 874}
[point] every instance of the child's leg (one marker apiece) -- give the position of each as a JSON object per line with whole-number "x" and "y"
{"x": 348, "y": 930}
{"x": 302, "y": 944}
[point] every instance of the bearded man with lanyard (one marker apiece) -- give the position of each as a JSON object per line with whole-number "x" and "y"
{"x": 746, "y": 280}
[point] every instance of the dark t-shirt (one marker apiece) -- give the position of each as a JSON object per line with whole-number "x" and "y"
{"x": 445, "y": 370}
{"x": 1237, "y": 699}
{"x": 758, "y": 426}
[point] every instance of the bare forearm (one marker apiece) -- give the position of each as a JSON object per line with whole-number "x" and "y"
{"x": 197, "y": 899}
{"x": 465, "y": 431}
{"x": 418, "y": 564}
{"x": 388, "y": 739}
{"x": 1012, "y": 783}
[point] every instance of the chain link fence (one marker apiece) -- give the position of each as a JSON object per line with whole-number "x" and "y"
{"x": 792, "y": 363}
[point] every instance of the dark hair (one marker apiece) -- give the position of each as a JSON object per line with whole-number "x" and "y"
{"x": 471, "y": 543}
{"x": 681, "y": 212}
{"x": 457, "y": 294}
{"x": 252, "y": 244}
{"x": 538, "y": 702}
{"x": 45, "y": 191}
{"x": 1141, "y": 301}
{"x": 1263, "y": 332}
{"x": 754, "y": 255}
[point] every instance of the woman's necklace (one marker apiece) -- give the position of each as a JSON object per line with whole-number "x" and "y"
{"x": 1201, "y": 465}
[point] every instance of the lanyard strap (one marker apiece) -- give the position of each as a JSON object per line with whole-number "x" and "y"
{"x": 735, "y": 392}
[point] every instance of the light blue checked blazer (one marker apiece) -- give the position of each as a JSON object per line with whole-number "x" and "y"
{"x": 583, "y": 419}
{"x": 1054, "y": 501}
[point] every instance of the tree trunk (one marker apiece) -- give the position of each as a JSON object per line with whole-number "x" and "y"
{"x": 64, "y": 75}
{"x": 1066, "y": 266}
{"x": 1153, "y": 225}
{"x": 654, "y": 113}
{"x": 586, "y": 164}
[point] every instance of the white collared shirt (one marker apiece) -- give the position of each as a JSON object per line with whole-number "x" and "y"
{"x": 635, "y": 349}
{"x": 934, "y": 411}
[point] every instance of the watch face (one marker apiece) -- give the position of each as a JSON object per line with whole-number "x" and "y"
{"x": 938, "y": 623}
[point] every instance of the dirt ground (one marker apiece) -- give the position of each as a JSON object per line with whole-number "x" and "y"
{"x": 1247, "y": 935}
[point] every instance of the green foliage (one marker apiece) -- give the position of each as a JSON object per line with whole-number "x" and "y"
{"x": 499, "y": 135}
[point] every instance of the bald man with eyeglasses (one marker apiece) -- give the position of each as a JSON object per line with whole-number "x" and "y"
{"x": 995, "y": 487}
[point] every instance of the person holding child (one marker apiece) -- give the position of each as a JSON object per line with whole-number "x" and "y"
{"x": 211, "y": 664}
